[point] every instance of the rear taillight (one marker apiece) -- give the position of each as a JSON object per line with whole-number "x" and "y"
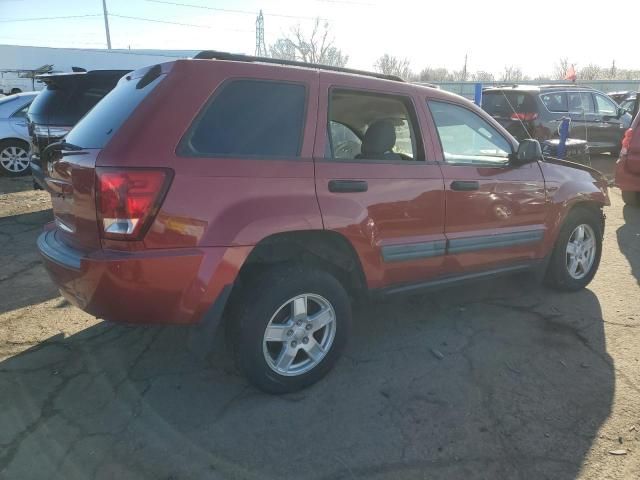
{"x": 128, "y": 200}
{"x": 626, "y": 140}
{"x": 525, "y": 117}
{"x": 47, "y": 131}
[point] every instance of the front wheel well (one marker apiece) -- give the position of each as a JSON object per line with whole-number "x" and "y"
{"x": 592, "y": 207}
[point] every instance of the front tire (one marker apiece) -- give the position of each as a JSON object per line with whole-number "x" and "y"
{"x": 289, "y": 326}
{"x": 576, "y": 254}
{"x": 631, "y": 198}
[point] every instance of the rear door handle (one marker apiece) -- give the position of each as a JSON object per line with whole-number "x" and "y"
{"x": 464, "y": 186}
{"x": 348, "y": 186}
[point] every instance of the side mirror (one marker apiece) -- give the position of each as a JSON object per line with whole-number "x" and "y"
{"x": 621, "y": 112}
{"x": 529, "y": 151}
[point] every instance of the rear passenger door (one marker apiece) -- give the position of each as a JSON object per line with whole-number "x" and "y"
{"x": 495, "y": 210}
{"x": 376, "y": 179}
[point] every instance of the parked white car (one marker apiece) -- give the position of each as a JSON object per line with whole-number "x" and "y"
{"x": 14, "y": 134}
{"x": 14, "y": 82}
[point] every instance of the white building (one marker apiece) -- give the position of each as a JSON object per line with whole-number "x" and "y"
{"x": 15, "y": 58}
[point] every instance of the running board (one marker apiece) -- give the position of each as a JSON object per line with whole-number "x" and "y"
{"x": 444, "y": 282}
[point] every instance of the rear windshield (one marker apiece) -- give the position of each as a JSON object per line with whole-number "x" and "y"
{"x": 101, "y": 123}
{"x": 504, "y": 104}
{"x": 68, "y": 99}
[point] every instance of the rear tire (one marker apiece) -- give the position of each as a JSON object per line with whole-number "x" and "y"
{"x": 631, "y": 198}
{"x": 14, "y": 158}
{"x": 573, "y": 271}
{"x": 285, "y": 304}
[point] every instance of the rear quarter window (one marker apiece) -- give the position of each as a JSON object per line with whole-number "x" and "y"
{"x": 249, "y": 118}
{"x": 103, "y": 121}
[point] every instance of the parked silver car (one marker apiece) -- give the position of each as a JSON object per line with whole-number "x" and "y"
{"x": 14, "y": 134}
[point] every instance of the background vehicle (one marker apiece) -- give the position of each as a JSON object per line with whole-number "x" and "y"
{"x": 627, "y": 176}
{"x": 538, "y": 110}
{"x": 13, "y": 82}
{"x": 621, "y": 96}
{"x": 629, "y": 104}
{"x": 272, "y": 195}
{"x": 14, "y": 135}
{"x": 65, "y": 100}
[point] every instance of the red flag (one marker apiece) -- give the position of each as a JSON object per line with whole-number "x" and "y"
{"x": 571, "y": 74}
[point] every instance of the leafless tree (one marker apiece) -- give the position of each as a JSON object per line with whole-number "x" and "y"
{"x": 482, "y": 76}
{"x": 429, "y": 74}
{"x": 312, "y": 47}
{"x": 390, "y": 65}
{"x": 561, "y": 68}
{"x": 512, "y": 74}
{"x": 591, "y": 72}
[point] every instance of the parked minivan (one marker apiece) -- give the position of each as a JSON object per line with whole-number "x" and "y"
{"x": 66, "y": 98}
{"x": 268, "y": 195}
{"x": 536, "y": 111}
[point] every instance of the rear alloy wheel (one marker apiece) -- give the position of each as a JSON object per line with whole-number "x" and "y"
{"x": 576, "y": 254}
{"x": 299, "y": 335}
{"x": 631, "y": 198}
{"x": 14, "y": 158}
{"x": 289, "y": 326}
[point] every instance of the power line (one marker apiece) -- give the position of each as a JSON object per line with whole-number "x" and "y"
{"x": 33, "y": 19}
{"x": 229, "y": 10}
{"x": 144, "y": 19}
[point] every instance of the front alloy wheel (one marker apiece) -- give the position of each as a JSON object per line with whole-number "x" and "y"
{"x": 576, "y": 254}
{"x": 581, "y": 251}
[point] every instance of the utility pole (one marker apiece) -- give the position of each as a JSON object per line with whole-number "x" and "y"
{"x": 464, "y": 69}
{"x": 106, "y": 23}
{"x": 261, "y": 49}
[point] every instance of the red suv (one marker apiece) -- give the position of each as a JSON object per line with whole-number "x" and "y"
{"x": 628, "y": 165}
{"x": 271, "y": 195}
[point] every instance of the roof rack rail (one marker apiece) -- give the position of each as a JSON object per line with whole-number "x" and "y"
{"x": 215, "y": 55}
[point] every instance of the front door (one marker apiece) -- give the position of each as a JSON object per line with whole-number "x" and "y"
{"x": 376, "y": 181}
{"x": 608, "y": 133}
{"x": 494, "y": 210}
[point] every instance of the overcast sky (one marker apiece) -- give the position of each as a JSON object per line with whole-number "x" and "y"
{"x": 530, "y": 35}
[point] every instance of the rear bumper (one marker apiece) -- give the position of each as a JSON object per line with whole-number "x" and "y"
{"x": 624, "y": 179}
{"x": 177, "y": 286}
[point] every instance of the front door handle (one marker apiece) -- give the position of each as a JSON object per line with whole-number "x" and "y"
{"x": 464, "y": 185}
{"x": 347, "y": 186}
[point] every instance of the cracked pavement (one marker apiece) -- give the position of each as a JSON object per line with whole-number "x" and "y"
{"x": 502, "y": 379}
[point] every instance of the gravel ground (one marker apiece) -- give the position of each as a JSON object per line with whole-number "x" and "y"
{"x": 502, "y": 379}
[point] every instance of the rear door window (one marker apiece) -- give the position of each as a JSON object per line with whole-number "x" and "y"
{"x": 580, "y": 102}
{"x": 250, "y": 118}
{"x": 371, "y": 126}
{"x": 555, "y": 101}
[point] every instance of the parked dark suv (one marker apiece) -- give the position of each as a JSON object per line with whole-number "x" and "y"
{"x": 536, "y": 111}
{"x": 271, "y": 195}
{"x": 66, "y": 98}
